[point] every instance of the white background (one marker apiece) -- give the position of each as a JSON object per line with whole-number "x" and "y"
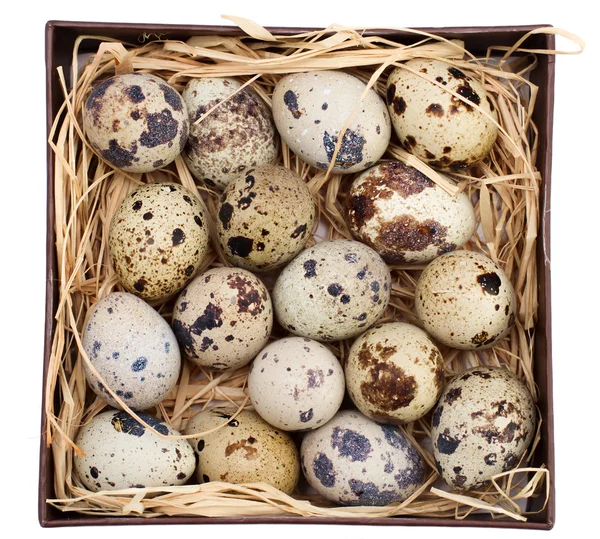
{"x": 575, "y": 237}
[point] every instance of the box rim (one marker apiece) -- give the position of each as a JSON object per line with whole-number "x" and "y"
{"x": 543, "y": 229}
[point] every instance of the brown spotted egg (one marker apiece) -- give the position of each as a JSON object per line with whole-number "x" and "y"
{"x": 296, "y": 384}
{"x": 332, "y": 291}
{"x": 223, "y": 318}
{"x": 432, "y": 107}
{"x": 405, "y": 216}
{"x": 246, "y": 449}
{"x": 133, "y": 350}
{"x": 352, "y": 460}
{"x": 394, "y": 373}
{"x": 136, "y": 121}
{"x": 266, "y": 215}
{"x": 311, "y": 109}
{"x": 482, "y": 425}
{"x": 465, "y": 300}
{"x": 236, "y": 135}
{"x": 119, "y": 452}
{"x": 158, "y": 239}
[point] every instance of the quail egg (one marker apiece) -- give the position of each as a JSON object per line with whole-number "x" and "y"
{"x": 158, "y": 239}
{"x": 482, "y": 425}
{"x": 246, "y": 449}
{"x": 133, "y": 349}
{"x": 265, "y": 218}
{"x": 432, "y": 107}
{"x": 394, "y": 373}
{"x": 465, "y": 300}
{"x": 136, "y": 121}
{"x": 237, "y": 135}
{"x": 405, "y": 216}
{"x": 296, "y": 384}
{"x": 352, "y": 460}
{"x": 311, "y": 109}
{"x": 332, "y": 291}
{"x": 223, "y": 318}
{"x": 119, "y": 452}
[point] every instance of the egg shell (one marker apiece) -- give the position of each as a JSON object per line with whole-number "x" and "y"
{"x": 238, "y": 134}
{"x": 311, "y": 109}
{"x": 223, "y": 318}
{"x": 394, "y": 373}
{"x": 136, "y": 121}
{"x": 405, "y": 216}
{"x": 119, "y": 452}
{"x": 332, "y": 291}
{"x": 266, "y": 216}
{"x": 439, "y": 127}
{"x": 245, "y": 450}
{"x": 296, "y": 384}
{"x": 353, "y": 460}
{"x": 158, "y": 239}
{"x": 482, "y": 425}
{"x": 133, "y": 349}
{"x": 465, "y": 300}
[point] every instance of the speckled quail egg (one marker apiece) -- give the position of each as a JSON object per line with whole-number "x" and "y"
{"x": 405, "y": 216}
{"x": 265, "y": 217}
{"x": 133, "y": 349}
{"x": 482, "y": 426}
{"x": 238, "y": 134}
{"x": 444, "y": 129}
{"x": 352, "y": 460}
{"x": 158, "y": 239}
{"x": 311, "y": 109}
{"x": 296, "y": 384}
{"x": 465, "y": 300}
{"x": 223, "y": 318}
{"x": 136, "y": 121}
{"x": 245, "y": 450}
{"x": 119, "y": 452}
{"x": 394, "y": 373}
{"x": 332, "y": 291}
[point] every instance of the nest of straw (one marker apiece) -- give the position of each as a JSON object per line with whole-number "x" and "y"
{"x": 505, "y": 189}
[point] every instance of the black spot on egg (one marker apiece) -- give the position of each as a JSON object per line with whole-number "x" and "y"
{"x": 334, "y": 289}
{"x": 162, "y": 128}
{"x": 490, "y": 283}
{"x": 351, "y": 444}
{"x": 225, "y": 213}
{"x": 135, "y": 93}
{"x": 291, "y": 101}
{"x": 178, "y": 236}
{"x": 118, "y": 156}
{"x": 369, "y": 494}
{"x": 309, "y": 269}
{"x": 323, "y": 470}
{"x": 140, "y": 285}
{"x": 305, "y": 417}
{"x": 490, "y": 459}
{"x": 446, "y": 444}
{"x": 171, "y": 96}
{"x": 240, "y": 246}
{"x": 301, "y": 230}
{"x": 139, "y": 364}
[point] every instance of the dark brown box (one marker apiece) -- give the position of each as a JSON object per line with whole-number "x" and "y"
{"x": 60, "y": 38}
